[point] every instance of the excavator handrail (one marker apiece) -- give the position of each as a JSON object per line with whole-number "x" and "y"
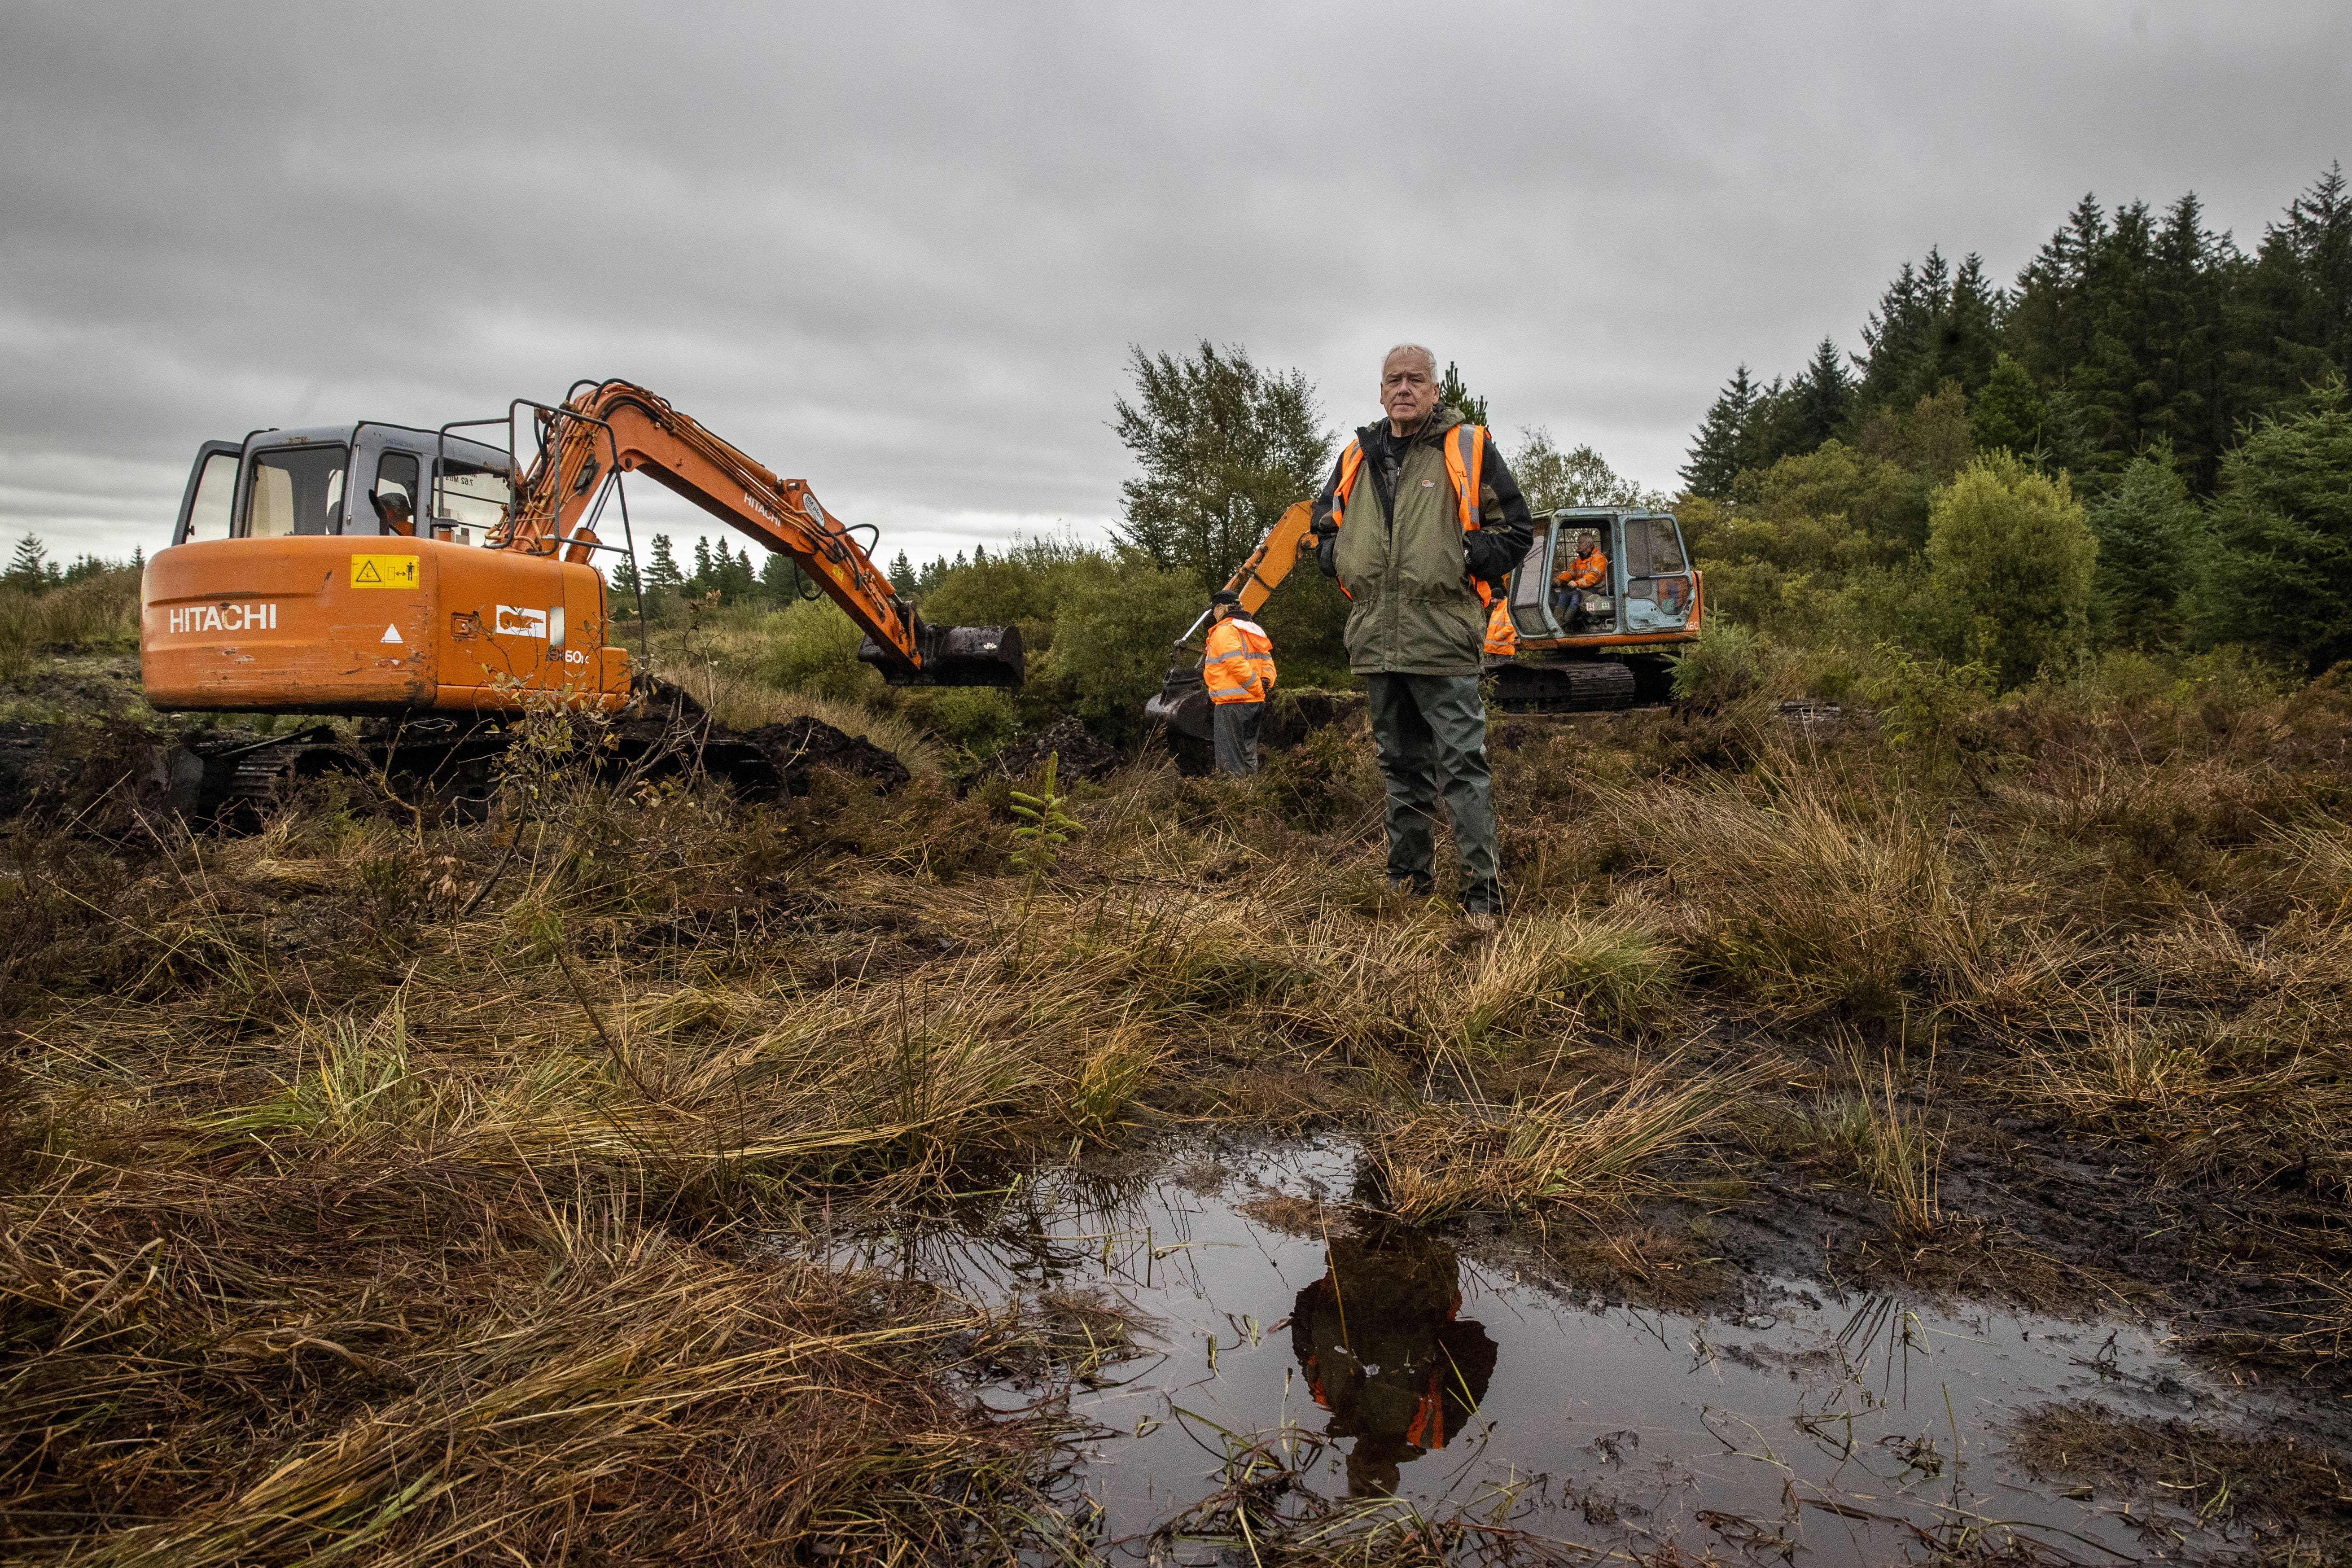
{"x": 628, "y": 544}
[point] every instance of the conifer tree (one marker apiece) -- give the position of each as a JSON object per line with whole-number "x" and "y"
{"x": 1715, "y": 452}
{"x": 1823, "y": 398}
{"x": 2011, "y": 413}
{"x": 902, "y": 573}
{"x": 29, "y": 569}
{"x": 661, "y": 571}
{"x": 2146, "y": 527}
{"x": 783, "y": 580}
{"x": 1453, "y": 394}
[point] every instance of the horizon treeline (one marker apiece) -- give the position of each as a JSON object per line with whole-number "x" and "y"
{"x": 2126, "y": 330}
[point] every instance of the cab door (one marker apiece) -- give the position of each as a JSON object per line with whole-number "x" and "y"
{"x": 212, "y": 490}
{"x": 1659, "y": 588}
{"x": 1530, "y": 597}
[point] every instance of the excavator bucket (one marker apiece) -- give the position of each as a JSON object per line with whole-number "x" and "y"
{"x": 954, "y": 656}
{"x": 1182, "y": 705}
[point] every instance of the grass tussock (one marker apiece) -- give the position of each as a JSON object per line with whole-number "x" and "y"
{"x": 1584, "y": 1148}
{"x": 2280, "y": 1500}
{"x": 99, "y": 612}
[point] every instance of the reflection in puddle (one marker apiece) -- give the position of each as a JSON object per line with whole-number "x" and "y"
{"x": 1400, "y": 1373}
{"x": 1407, "y": 1370}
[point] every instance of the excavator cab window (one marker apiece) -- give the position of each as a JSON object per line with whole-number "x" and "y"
{"x": 295, "y": 490}
{"x": 394, "y": 497}
{"x": 469, "y": 496}
{"x": 1657, "y": 576}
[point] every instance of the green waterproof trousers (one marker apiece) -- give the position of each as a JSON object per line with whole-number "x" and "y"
{"x": 1431, "y": 734}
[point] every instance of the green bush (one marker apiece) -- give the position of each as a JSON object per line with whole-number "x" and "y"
{"x": 980, "y": 719}
{"x": 812, "y": 647}
{"x": 1928, "y": 708}
{"x": 2011, "y": 552}
{"x": 1112, "y": 632}
{"x": 1725, "y": 664}
{"x": 1020, "y": 585}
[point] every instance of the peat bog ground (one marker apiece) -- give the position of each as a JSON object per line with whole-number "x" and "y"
{"x": 1917, "y": 1136}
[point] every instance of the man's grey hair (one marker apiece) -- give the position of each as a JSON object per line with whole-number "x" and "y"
{"x": 1427, "y": 358}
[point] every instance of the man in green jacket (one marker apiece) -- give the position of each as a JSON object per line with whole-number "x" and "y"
{"x": 1395, "y": 526}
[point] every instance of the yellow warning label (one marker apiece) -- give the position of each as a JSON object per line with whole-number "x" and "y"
{"x": 384, "y": 570}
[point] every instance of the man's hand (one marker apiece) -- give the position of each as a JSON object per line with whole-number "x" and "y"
{"x": 1489, "y": 555}
{"x": 1327, "y": 554}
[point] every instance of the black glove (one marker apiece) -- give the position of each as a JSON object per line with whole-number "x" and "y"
{"x": 1327, "y": 554}
{"x": 1489, "y": 555}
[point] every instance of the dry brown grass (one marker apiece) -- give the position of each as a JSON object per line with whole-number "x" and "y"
{"x": 98, "y": 611}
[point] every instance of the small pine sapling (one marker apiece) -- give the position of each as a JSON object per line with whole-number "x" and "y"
{"x": 1048, "y": 825}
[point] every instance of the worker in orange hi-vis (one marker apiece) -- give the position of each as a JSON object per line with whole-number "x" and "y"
{"x": 1239, "y": 672}
{"x": 1583, "y": 571}
{"x": 1502, "y": 637}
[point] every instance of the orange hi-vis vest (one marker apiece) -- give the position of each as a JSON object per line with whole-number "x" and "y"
{"x": 1502, "y": 637}
{"x": 1466, "y": 459}
{"x": 1584, "y": 571}
{"x": 1240, "y": 663}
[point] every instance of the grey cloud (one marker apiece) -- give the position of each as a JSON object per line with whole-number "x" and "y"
{"x": 901, "y": 249}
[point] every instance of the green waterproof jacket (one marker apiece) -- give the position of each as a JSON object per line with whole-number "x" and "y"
{"x": 1415, "y": 609}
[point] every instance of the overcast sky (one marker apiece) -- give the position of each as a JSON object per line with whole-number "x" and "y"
{"x": 901, "y": 250}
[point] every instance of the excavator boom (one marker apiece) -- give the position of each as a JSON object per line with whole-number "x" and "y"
{"x": 626, "y": 427}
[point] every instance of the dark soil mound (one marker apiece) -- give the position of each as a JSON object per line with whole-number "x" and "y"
{"x": 1291, "y": 717}
{"x": 1082, "y": 756}
{"x": 93, "y": 774}
{"x": 794, "y": 748}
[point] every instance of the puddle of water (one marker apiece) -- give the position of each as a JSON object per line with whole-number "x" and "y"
{"x": 1815, "y": 1426}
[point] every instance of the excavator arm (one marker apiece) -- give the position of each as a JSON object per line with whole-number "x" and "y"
{"x": 1182, "y": 703}
{"x": 615, "y": 427}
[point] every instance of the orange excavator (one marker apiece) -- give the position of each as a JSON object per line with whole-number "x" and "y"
{"x": 375, "y": 569}
{"x": 444, "y": 583}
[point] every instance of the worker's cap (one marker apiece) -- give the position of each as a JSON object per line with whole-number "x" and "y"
{"x": 1225, "y": 596}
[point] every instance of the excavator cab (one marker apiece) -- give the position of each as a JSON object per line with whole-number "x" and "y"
{"x": 1646, "y": 591}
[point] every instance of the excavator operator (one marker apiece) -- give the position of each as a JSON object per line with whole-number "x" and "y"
{"x": 1239, "y": 672}
{"x": 1585, "y": 571}
{"x": 394, "y": 509}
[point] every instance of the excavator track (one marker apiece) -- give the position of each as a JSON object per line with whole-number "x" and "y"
{"x": 227, "y": 777}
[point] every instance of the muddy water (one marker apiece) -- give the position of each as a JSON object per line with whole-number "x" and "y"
{"x": 1815, "y": 1424}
